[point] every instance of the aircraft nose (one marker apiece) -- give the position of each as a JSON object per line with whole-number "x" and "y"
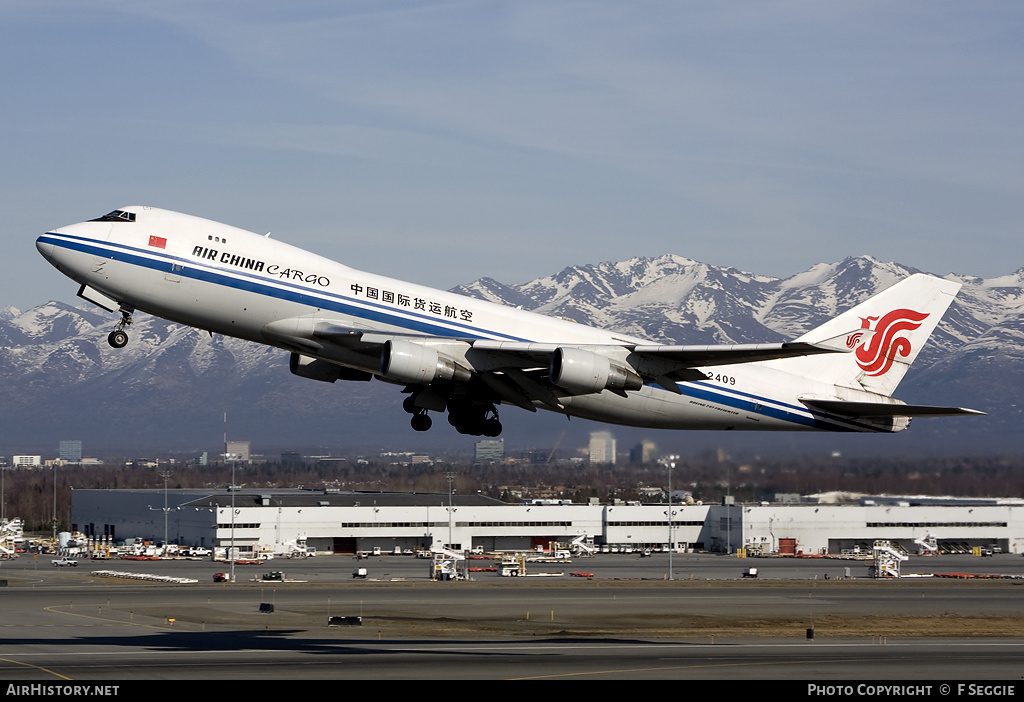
{"x": 45, "y": 247}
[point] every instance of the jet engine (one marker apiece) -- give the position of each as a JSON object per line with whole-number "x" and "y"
{"x": 583, "y": 372}
{"x": 417, "y": 364}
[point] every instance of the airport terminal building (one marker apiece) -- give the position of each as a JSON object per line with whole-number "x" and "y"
{"x": 280, "y": 521}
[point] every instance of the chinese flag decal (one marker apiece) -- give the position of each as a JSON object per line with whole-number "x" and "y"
{"x": 158, "y": 241}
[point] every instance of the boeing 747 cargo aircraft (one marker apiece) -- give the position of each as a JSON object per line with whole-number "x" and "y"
{"x": 467, "y": 357}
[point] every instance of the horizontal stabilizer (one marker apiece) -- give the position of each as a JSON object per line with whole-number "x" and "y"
{"x": 885, "y": 409}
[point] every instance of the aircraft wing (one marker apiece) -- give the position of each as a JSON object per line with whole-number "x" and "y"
{"x": 681, "y": 357}
{"x": 517, "y": 369}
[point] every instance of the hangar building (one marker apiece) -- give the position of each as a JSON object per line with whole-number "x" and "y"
{"x": 344, "y": 522}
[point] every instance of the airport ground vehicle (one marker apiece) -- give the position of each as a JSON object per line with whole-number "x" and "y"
{"x": 60, "y": 562}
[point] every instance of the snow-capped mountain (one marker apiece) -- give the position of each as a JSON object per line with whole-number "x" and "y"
{"x": 171, "y": 385}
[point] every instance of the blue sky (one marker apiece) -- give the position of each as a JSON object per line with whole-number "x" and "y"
{"x": 442, "y": 142}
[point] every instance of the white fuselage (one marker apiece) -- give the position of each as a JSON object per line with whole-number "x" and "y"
{"x": 233, "y": 282}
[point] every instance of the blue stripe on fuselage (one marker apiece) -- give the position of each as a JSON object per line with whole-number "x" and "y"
{"x": 794, "y": 414}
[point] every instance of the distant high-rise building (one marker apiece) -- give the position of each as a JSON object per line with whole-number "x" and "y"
{"x": 489, "y": 451}
{"x": 71, "y": 451}
{"x": 644, "y": 452}
{"x": 602, "y": 447}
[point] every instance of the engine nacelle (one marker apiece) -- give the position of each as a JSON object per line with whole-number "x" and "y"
{"x": 582, "y": 372}
{"x": 417, "y": 364}
{"x": 315, "y": 369}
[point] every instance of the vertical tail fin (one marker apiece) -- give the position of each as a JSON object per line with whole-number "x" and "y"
{"x": 900, "y": 319}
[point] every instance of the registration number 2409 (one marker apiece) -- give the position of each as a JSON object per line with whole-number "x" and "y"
{"x": 722, "y": 378}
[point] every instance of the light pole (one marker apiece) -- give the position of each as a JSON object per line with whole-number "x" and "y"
{"x": 670, "y": 461}
{"x": 232, "y": 551}
{"x": 166, "y": 475}
{"x": 451, "y": 477}
{"x": 671, "y": 522}
{"x": 55, "y": 505}
{"x": 231, "y": 489}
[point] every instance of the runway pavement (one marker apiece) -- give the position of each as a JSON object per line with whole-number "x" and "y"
{"x": 627, "y": 622}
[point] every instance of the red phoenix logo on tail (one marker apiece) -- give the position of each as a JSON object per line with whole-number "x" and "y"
{"x": 876, "y": 356}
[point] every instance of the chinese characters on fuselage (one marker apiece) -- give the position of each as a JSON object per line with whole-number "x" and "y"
{"x": 413, "y": 303}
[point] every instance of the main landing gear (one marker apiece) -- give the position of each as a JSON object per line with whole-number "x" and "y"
{"x": 421, "y": 421}
{"x": 477, "y": 419}
{"x": 119, "y": 337}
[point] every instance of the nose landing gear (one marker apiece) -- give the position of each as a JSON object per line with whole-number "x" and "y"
{"x": 118, "y": 338}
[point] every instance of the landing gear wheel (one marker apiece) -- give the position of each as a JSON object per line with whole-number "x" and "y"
{"x": 422, "y": 422}
{"x": 475, "y": 420}
{"x": 118, "y": 339}
{"x": 409, "y": 404}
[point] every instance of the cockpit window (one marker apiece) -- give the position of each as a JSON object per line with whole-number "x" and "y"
{"x": 116, "y": 216}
